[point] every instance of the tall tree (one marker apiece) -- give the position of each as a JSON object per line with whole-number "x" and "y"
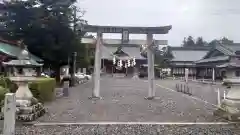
{"x": 161, "y": 55}
{"x": 223, "y": 40}
{"x": 45, "y": 26}
{"x": 200, "y": 41}
{"x": 226, "y": 41}
{"x": 188, "y": 42}
{"x": 184, "y": 43}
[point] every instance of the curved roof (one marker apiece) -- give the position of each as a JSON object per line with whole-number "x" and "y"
{"x": 213, "y": 59}
{"x": 188, "y": 55}
{"x": 14, "y": 51}
{"x": 132, "y": 51}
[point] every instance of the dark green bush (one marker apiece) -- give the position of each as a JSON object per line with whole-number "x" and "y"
{"x": 7, "y": 83}
{"x": 43, "y": 89}
{"x": 3, "y": 91}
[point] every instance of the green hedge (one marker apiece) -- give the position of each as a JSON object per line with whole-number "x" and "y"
{"x": 42, "y": 89}
{"x": 3, "y": 91}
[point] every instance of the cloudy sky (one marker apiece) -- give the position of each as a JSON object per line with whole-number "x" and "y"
{"x": 207, "y": 18}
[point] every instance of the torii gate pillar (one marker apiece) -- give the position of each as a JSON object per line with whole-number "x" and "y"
{"x": 97, "y": 67}
{"x": 151, "y": 74}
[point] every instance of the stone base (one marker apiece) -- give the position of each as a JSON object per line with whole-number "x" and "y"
{"x": 226, "y": 115}
{"x": 95, "y": 98}
{"x": 29, "y": 113}
{"x": 151, "y": 98}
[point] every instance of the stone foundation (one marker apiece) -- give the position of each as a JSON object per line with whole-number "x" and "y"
{"x": 226, "y": 114}
{"x": 28, "y": 113}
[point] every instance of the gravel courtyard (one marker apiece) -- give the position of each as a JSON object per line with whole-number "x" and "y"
{"x": 123, "y": 101}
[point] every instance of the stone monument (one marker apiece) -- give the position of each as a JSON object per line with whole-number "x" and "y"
{"x": 230, "y": 105}
{"x": 28, "y": 107}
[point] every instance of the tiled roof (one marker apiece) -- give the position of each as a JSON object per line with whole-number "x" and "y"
{"x": 188, "y": 55}
{"x": 199, "y": 48}
{"x": 228, "y": 64}
{"x": 14, "y": 51}
{"x": 213, "y": 59}
{"x": 22, "y": 63}
{"x": 131, "y": 50}
{"x": 233, "y": 48}
{"x": 107, "y": 52}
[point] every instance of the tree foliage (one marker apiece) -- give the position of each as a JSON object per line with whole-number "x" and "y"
{"x": 45, "y": 26}
{"x": 189, "y": 42}
{"x": 200, "y": 42}
{"x": 161, "y": 55}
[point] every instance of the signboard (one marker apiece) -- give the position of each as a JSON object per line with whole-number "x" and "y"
{"x": 125, "y": 36}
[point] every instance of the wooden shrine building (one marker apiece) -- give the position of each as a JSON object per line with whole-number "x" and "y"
{"x": 222, "y": 61}
{"x": 123, "y": 52}
{"x": 185, "y": 57}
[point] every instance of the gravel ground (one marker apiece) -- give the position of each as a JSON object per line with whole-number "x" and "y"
{"x": 123, "y": 101}
{"x": 130, "y": 130}
{"x": 205, "y": 92}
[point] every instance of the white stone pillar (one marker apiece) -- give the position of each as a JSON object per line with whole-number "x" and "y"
{"x": 213, "y": 74}
{"x": 150, "y": 56}
{"x": 97, "y": 67}
{"x": 9, "y": 114}
{"x": 84, "y": 70}
{"x": 186, "y": 74}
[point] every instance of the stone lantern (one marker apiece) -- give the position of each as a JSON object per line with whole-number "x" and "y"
{"x": 230, "y": 105}
{"x": 28, "y": 107}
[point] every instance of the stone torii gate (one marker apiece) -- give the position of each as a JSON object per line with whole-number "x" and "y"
{"x": 125, "y": 31}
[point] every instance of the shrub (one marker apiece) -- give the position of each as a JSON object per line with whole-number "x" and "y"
{"x": 7, "y": 83}
{"x": 43, "y": 89}
{"x": 3, "y": 91}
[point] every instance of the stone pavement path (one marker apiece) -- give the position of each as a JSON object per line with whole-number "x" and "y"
{"x": 123, "y": 101}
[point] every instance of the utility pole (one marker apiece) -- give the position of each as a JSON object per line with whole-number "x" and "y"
{"x": 74, "y": 55}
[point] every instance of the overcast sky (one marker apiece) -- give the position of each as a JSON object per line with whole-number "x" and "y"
{"x": 207, "y": 18}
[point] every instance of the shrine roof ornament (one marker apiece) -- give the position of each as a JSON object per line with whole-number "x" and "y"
{"x": 130, "y": 29}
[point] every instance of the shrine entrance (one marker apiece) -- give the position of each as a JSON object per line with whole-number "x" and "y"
{"x": 122, "y": 60}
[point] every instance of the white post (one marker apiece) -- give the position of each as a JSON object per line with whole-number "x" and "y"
{"x": 186, "y": 75}
{"x": 84, "y": 70}
{"x": 224, "y": 94}
{"x": 213, "y": 74}
{"x": 9, "y": 114}
{"x": 218, "y": 98}
{"x": 97, "y": 67}
{"x": 150, "y": 56}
